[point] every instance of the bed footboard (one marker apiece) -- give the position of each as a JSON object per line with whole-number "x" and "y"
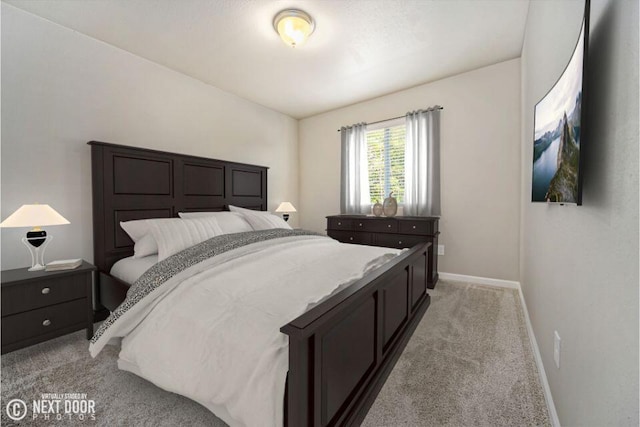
{"x": 342, "y": 351}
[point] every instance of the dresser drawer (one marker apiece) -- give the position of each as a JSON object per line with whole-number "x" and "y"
{"x": 338, "y": 224}
{"x": 359, "y": 224}
{"x": 415, "y": 227}
{"x": 399, "y": 241}
{"x": 44, "y": 321}
{"x": 351, "y": 237}
{"x": 31, "y": 295}
{"x": 381, "y": 225}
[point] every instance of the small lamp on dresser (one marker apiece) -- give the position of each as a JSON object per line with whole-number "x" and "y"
{"x": 286, "y": 208}
{"x": 35, "y": 216}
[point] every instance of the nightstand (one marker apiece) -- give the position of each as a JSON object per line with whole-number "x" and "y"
{"x": 40, "y": 305}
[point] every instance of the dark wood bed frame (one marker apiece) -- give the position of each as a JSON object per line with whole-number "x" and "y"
{"x": 340, "y": 352}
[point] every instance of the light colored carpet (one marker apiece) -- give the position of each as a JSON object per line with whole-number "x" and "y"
{"x": 468, "y": 363}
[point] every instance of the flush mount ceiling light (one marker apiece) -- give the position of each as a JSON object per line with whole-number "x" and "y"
{"x": 294, "y": 26}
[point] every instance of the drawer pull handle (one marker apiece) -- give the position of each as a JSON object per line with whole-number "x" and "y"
{"x": 339, "y": 223}
{"x": 46, "y": 322}
{"x": 360, "y": 224}
{"x": 45, "y": 291}
{"x": 389, "y": 226}
{"x": 350, "y": 238}
{"x": 400, "y": 242}
{"x": 414, "y": 227}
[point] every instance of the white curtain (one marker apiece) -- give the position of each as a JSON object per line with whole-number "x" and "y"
{"x": 354, "y": 195}
{"x": 422, "y": 163}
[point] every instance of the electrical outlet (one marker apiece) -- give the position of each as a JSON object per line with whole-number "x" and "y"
{"x": 440, "y": 249}
{"x": 556, "y": 348}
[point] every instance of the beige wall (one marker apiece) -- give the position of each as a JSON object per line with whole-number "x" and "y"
{"x": 579, "y": 265}
{"x": 479, "y": 164}
{"x": 61, "y": 89}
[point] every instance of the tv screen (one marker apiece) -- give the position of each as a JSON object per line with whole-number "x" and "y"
{"x": 558, "y": 132}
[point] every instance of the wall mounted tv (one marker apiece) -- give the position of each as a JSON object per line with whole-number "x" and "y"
{"x": 558, "y": 131}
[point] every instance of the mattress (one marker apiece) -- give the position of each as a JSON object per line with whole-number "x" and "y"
{"x": 130, "y": 269}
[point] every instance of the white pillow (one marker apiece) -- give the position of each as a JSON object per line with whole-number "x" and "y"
{"x": 145, "y": 247}
{"x": 261, "y": 220}
{"x": 143, "y": 242}
{"x": 175, "y": 234}
{"x": 229, "y": 222}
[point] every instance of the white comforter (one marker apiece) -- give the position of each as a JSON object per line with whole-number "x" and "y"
{"x": 212, "y": 332}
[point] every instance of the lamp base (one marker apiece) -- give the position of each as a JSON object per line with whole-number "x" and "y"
{"x": 37, "y": 252}
{"x": 37, "y": 267}
{"x": 36, "y": 237}
{"x": 285, "y": 217}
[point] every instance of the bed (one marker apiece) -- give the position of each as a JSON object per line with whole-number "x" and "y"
{"x": 340, "y": 350}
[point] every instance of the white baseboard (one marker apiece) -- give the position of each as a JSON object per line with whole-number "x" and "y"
{"x": 553, "y": 415}
{"x": 510, "y": 284}
{"x": 480, "y": 280}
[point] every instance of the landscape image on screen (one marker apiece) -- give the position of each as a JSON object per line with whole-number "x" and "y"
{"x": 556, "y": 147}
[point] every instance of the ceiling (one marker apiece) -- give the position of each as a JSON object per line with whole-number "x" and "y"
{"x": 360, "y": 49}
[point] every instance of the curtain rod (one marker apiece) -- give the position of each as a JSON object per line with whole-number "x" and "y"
{"x": 437, "y": 107}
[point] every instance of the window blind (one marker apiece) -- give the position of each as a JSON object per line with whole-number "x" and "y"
{"x": 385, "y": 155}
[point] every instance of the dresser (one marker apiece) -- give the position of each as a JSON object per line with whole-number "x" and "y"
{"x": 397, "y": 232}
{"x": 40, "y": 305}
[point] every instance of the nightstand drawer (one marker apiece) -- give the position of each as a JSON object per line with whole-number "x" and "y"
{"x": 43, "y": 321}
{"x": 41, "y": 293}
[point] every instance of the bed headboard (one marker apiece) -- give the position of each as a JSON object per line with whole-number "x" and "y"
{"x": 136, "y": 183}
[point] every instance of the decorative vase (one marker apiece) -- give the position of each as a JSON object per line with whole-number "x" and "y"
{"x": 377, "y": 209}
{"x": 390, "y": 205}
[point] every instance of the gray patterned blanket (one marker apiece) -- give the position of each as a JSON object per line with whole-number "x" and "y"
{"x": 169, "y": 267}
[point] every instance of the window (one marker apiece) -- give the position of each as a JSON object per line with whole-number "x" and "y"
{"x": 385, "y": 156}
{"x": 373, "y": 164}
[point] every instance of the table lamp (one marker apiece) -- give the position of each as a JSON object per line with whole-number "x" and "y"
{"x": 34, "y": 217}
{"x": 286, "y": 208}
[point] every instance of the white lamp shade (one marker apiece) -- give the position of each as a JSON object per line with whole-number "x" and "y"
{"x": 286, "y": 207}
{"x": 34, "y": 216}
